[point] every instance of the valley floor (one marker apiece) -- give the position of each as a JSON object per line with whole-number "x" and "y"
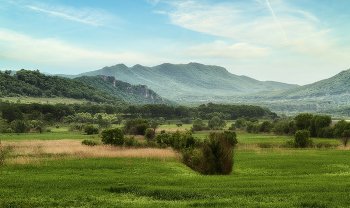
{"x": 64, "y": 173}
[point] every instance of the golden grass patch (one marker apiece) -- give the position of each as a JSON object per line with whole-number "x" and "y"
{"x": 29, "y": 151}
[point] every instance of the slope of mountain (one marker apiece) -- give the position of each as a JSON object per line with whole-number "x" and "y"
{"x": 336, "y": 88}
{"x": 189, "y": 82}
{"x": 136, "y": 94}
{"x": 36, "y": 84}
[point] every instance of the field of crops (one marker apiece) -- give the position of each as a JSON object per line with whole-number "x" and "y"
{"x": 60, "y": 172}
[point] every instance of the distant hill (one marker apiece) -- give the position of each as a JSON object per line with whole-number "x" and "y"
{"x": 188, "y": 82}
{"x": 326, "y": 94}
{"x": 336, "y": 88}
{"x": 36, "y": 84}
{"x": 136, "y": 94}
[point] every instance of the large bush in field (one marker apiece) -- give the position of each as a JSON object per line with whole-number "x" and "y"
{"x": 112, "y": 136}
{"x": 90, "y": 129}
{"x": 215, "y": 156}
{"x": 136, "y": 126}
{"x": 302, "y": 139}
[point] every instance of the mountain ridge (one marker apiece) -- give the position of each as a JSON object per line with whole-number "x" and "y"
{"x": 188, "y": 81}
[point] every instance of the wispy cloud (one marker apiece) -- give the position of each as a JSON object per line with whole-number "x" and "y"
{"x": 224, "y": 50}
{"x": 159, "y": 12}
{"x": 16, "y": 46}
{"x": 83, "y": 16}
{"x": 86, "y": 15}
{"x": 256, "y": 23}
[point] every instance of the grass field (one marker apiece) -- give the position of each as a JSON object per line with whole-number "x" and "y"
{"x": 63, "y": 173}
{"x": 44, "y": 100}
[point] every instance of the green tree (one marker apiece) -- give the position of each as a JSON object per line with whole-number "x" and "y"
{"x": 303, "y": 121}
{"x": 216, "y": 123}
{"x": 112, "y": 136}
{"x": 302, "y": 138}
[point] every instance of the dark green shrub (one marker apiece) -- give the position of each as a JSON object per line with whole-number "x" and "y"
{"x": 232, "y": 127}
{"x": 162, "y": 131}
{"x": 90, "y": 129}
{"x": 130, "y": 126}
{"x": 265, "y": 144}
{"x": 345, "y": 137}
{"x": 186, "y": 120}
{"x": 141, "y": 128}
{"x": 266, "y": 127}
{"x": 149, "y": 134}
{"x": 163, "y": 140}
{"x": 131, "y": 142}
{"x": 179, "y": 124}
{"x": 19, "y": 126}
{"x": 198, "y": 125}
{"x": 215, "y": 156}
{"x": 112, "y": 136}
{"x": 302, "y": 139}
{"x": 89, "y": 142}
{"x": 103, "y": 123}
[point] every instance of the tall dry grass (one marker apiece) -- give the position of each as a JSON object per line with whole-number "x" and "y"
{"x": 31, "y": 151}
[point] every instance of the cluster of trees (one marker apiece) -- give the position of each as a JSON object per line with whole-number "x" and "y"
{"x": 316, "y": 125}
{"x": 36, "y": 84}
{"x": 204, "y": 112}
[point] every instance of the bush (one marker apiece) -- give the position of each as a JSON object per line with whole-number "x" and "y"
{"x": 131, "y": 142}
{"x": 215, "y": 156}
{"x": 179, "y": 124}
{"x": 323, "y": 144}
{"x": 90, "y": 129}
{"x": 141, "y": 128}
{"x": 149, "y": 134}
{"x": 19, "y": 126}
{"x": 113, "y": 136}
{"x": 265, "y": 144}
{"x": 302, "y": 139}
{"x": 89, "y": 142}
{"x": 232, "y": 127}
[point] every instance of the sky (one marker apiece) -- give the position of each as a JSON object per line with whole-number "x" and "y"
{"x": 291, "y": 41}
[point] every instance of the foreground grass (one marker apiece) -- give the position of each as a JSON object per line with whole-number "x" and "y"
{"x": 265, "y": 178}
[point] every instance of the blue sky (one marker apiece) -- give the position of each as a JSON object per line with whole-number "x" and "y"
{"x": 293, "y": 41}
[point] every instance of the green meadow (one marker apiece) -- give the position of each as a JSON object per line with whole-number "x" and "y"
{"x": 262, "y": 177}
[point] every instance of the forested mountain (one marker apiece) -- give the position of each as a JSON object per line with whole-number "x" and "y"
{"x": 136, "y": 94}
{"x": 36, "y": 84}
{"x": 188, "y": 82}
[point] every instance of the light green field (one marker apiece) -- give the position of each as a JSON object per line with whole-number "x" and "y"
{"x": 44, "y": 100}
{"x": 262, "y": 177}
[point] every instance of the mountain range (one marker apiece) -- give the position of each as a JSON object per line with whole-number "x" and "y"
{"x": 188, "y": 82}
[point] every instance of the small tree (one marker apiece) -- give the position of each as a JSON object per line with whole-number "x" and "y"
{"x": 90, "y": 129}
{"x": 345, "y": 137}
{"x": 302, "y": 138}
{"x": 113, "y": 136}
{"x": 150, "y": 134}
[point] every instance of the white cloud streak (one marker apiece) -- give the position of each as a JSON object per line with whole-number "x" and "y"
{"x": 254, "y": 22}
{"x": 19, "y": 47}
{"x": 222, "y": 49}
{"x": 86, "y": 20}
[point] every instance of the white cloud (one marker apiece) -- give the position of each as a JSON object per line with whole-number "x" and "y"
{"x": 222, "y": 49}
{"x": 252, "y": 22}
{"x": 19, "y": 47}
{"x": 94, "y": 20}
{"x": 159, "y": 12}
{"x": 153, "y": 2}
